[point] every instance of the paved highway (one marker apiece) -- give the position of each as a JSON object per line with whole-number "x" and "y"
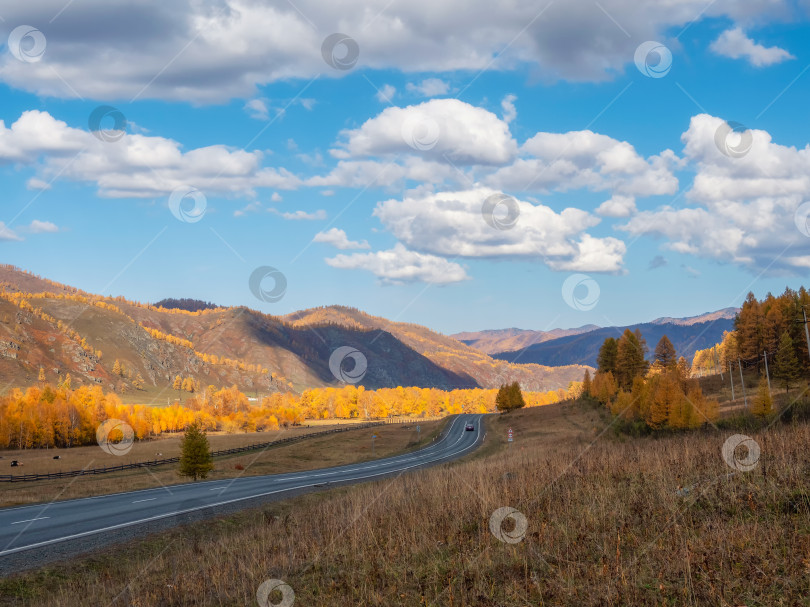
{"x": 28, "y": 527}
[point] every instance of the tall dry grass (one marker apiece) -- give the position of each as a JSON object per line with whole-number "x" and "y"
{"x": 607, "y": 525}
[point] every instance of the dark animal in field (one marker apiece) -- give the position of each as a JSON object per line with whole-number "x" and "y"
{"x": 57, "y": 457}
{"x": 15, "y": 463}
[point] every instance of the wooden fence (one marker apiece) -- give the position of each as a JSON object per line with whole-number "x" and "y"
{"x": 8, "y": 478}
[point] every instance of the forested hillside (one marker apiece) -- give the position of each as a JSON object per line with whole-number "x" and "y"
{"x": 156, "y": 354}
{"x": 769, "y": 327}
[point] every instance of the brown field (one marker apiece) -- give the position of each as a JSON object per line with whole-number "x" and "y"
{"x": 608, "y": 523}
{"x": 40, "y": 461}
{"x": 345, "y": 448}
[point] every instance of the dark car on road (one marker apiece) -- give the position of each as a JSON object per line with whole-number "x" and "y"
{"x": 469, "y": 427}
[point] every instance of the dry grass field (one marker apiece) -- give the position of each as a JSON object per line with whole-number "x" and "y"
{"x": 344, "y": 448}
{"x": 608, "y": 521}
{"x": 40, "y": 461}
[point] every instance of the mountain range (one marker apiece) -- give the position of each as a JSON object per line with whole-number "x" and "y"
{"x": 60, "y": 329}
{"x": 581, "y": 346}
{"x": 493, "y": 341}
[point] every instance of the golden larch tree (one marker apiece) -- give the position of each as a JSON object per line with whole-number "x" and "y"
{"x": 763, "y": 403}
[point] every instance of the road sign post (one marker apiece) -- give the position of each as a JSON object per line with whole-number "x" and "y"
{"x": 373, "y": 436}
{"x": 418, "y": 433}
{"x": 510, "y": 435}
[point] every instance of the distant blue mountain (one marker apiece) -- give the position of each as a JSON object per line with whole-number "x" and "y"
{"x": 583, "y": 348}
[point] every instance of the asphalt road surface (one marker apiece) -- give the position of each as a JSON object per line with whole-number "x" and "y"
{"x": 44, "y": 525}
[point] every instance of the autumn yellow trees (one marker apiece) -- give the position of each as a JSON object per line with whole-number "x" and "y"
{"x": 352, "y": 401}
{"x": 172, "y": 339}
{"x": 663, "y": 396}
{"x": 61, "y": 417}
{"x": 48, "y": 417}
{"x": 763, "y": 402}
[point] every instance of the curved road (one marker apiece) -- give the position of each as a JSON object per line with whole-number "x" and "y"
{"x": 28, "y": 527}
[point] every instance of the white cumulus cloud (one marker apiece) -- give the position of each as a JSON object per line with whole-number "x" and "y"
{"x": 439, "y": 129}
{"x": 40, "y": 227}
{"x": 430, "y": 87}
{"x": 301, "y": 215}
{"x": 734, "y": 43}
{"x": 338, "y": 239}
{"x": 509, "y": 110}
{"x": 6, "y": 233}
{"x": 386, "y": 93}
{"x": 743, "y": 208}
{"x": 452, "y": 224}
{"x": 204, "y": 52}
{"x": 136, "y": 166}
{"x": 399, "y": 266}
{"x": 586, "y": 160}
{"x": 257, "y": 108}
{"x": 617, "y": 206}
{"x": 34, "y": 183}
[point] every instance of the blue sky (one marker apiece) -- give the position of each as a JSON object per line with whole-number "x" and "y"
{"x": 618, "y": 201}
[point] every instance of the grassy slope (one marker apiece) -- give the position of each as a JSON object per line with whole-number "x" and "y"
{"x": 606, "y": 526}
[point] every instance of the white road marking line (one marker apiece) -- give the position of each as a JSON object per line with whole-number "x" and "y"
{"x": 424, "y": 451}
{"x": 31, "y": 520}
{"x": 446, "y": 453}
{"x": 218, "y": 489}
{"x": 146, "y": 500}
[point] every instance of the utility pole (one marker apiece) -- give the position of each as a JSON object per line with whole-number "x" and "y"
{"x": 742, "y": 380}
{"x": 806, "y": 332}
{"x": 766, "y": 374}
{"x": 731, "y": 378}
{"x": 717, "y": 364}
